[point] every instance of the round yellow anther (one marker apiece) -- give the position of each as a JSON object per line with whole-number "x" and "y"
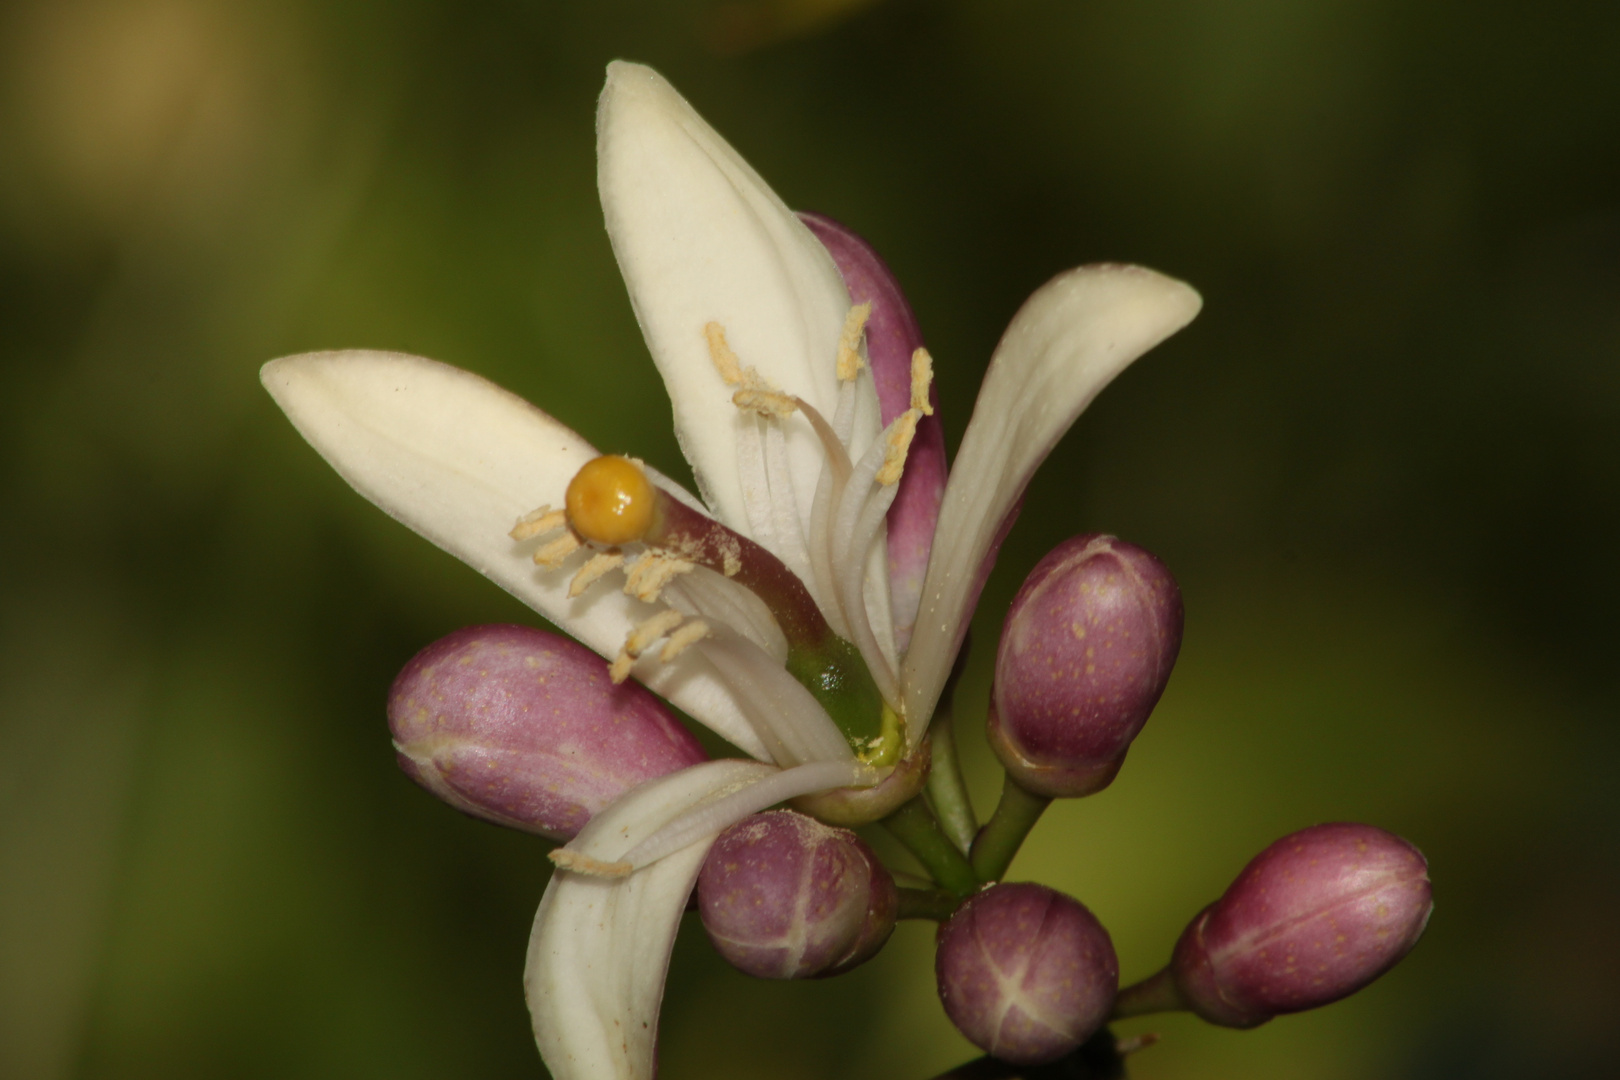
{"x": 611, "y": 501}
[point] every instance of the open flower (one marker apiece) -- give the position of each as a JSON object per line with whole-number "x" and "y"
{"x": 809, "y": 607}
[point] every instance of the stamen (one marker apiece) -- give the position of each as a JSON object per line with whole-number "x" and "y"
{"x": 831, "y": 444}
{"x": 922, "y": 375}
{"x": 766, "y": 402}
{"x": 583, "y": 864}
{"x": 602, "y": 562}
{"x": 650, "y": 573}
{"x": 552, "y": 555}
{"x": 538, "y": 523}
{"x": 725, "y": 361}
{"x": 897, "y": 444}
{"x": 650, "y": 631}
{"x": 731, "y": 369}
{"x": 683, "y": 639}
{"x": 639, "y": 640}
{"x": 849, "y": 342}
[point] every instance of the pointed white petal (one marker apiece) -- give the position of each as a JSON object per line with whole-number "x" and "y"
{"x": 1066, "y": 343}
{"x": 600, "y": 948}
{"x": 700, "y": 238}
{"x": 458, "y": 459}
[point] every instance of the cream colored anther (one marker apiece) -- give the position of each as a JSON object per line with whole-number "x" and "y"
{"x": 922, "y": 377}
{"x": 765, "y": 402}
{"x": 538, "y": 523}
{"x": 554, "y": 552}
{"x": 601, "y": 563}
{"x": 584, "y": 864}
{"x": 649, "y": 574}
{"x": 849, "y": 342}
{"x": 688, "y": 635}
{"x": 642, "y": 637}
{"x": 901, "y": 432}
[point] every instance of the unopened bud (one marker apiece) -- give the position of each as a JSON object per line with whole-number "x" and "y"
{"x": 525, "y": 728}
{"x": 1025, "y": 972}
{"x": 1085, "y": 653}
{"x": 786, "y": 897}
{"x": 1314, "y": 918}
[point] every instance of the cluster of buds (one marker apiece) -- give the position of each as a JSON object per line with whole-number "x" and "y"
{"x": 527, "y": 729}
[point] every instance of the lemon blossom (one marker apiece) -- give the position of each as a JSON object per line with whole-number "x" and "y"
{"x": 773, "y": 609}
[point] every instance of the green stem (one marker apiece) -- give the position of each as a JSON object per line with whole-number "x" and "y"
{"x": 914, "y": 826}
{"x": 935, "y": 904}
{"x": 1001, "y": 837}
{"x": 946, "y": 789}
{"x": 1154, "y": 994}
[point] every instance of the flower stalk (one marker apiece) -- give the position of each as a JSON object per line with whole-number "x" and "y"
{"x": 998, "y": 842}
{"x": 914, "y": 825}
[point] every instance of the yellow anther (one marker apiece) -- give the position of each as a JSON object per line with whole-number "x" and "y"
{"x": 765, "y": 402}
{"x": 611, "y": 501}
{"x": 683, "y": 639}
{"x": 583, "y": 864}
{"x": 619, "y": 670}
{"x": 849, "y": 342}
{"x": 901, "y": 433}
{"x": 725, "y": 361}
{"x": 538, "y": 523}
{"x": 922, "y": 376}
{"x": 597, "y": 565}
{"x": 554, "y": 552}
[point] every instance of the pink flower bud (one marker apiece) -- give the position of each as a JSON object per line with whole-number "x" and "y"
{"x": 1085, "y": 652}
{"x": 1025, "y": 972}
{"x": 785, "y": 897}
{"x": 525, "y": 728}
{"x": 1314, "y": 918}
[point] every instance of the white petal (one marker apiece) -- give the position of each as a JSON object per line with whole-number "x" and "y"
{"x": 700, "y": 238}
{"x": 458, "y": 459}
{"x": 712, "y": 818}
{"x": 1066, "y": 343}
{"x": 600, "y": 948}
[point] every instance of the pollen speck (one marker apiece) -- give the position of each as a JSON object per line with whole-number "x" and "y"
{"x": 611, "y": 501}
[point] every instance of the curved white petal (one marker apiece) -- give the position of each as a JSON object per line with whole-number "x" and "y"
{"x": 600, "y": 947}
{"x": 1066, "y": 343}
{"x": 700, "y": 238}
{"x": 458, "y": 459}
{"x": 713, "y": 817}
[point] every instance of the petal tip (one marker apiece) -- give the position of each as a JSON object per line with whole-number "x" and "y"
{"x": 1173, "y": 299}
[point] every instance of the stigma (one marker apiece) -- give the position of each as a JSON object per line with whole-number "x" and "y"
{"x": 610, "y": 501}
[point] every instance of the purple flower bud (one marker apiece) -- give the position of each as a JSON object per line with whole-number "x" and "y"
{"x": 1314, "y": 918}
{"x": 525, "y": 728}
{"x": 1085, "y": 652}
{"x": 1025, "y": 972}
{"x": 786, "y": 897}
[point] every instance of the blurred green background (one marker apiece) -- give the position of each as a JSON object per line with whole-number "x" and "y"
{"x": 1384, "y": 463}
